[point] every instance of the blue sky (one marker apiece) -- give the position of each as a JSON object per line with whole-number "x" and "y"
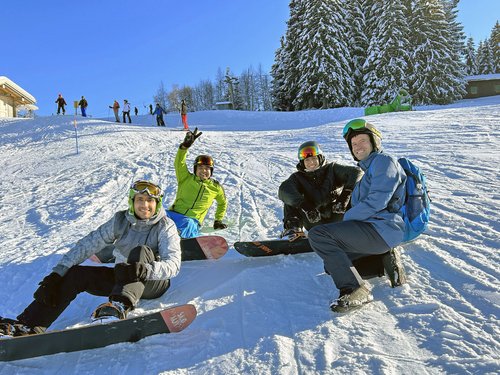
{"x": 110, "y": 50}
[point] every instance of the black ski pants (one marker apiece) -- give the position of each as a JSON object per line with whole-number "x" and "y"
{"x": 99, "y": 281}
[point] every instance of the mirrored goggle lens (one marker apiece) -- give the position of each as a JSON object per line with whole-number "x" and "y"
{"x": 205, "y": 160}
{"x": 308, "y": 151}
{"x": 360, "y": 124}
{"x": 354, "y": 125}
{"x": 148, "y": 188}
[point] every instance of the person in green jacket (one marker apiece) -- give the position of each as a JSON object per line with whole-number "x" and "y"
{"x": 195, "y": 191}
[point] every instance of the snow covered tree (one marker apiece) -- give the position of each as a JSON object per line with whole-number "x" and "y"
{"x": 436, "y": 75}
{"x": 359, "y": 40}
{"x": 385, "y": 68}
{"x": 284, "y": 71}
{"x": 495, "y": 46}
{"x": 485, "y": 61}
{"x": 470, "y": 58}
{"x": 323, "y": 59}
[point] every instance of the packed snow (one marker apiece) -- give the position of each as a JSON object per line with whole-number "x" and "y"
{"x": 265, "y": 315}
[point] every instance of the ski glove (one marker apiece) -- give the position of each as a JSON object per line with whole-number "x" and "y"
{"x": 190, "y": 138}
{"x": 48, "y": 291}
{"x": 312, "y": 214}
{"x": 219, "y": 225}
{"x": 130, "y": 272}
{"x": 341, "y": 202}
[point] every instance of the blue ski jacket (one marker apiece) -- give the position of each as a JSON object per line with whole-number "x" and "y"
{"x": 379, "y": 196}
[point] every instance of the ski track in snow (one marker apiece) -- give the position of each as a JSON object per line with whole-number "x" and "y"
{"x": 265, "y": 315}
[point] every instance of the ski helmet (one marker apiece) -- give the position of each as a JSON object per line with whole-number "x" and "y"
{"x": 310, "y": 148}
{"x": 361, "y": 126}
{"x": 204, "y": 160}
{"x": 144, "y": 187}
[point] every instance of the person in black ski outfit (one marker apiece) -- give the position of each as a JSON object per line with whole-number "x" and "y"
{"x": 318, "y": 193}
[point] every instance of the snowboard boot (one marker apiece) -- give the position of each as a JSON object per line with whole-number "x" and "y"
{"x": 351, "y": 299}
{"x": 112, "y": 310}
{"x": 14, "y": 328}
{"x": 393, "y": 267}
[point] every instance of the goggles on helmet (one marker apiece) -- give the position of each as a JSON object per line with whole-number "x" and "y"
{"x": 358, "y": 125}
{"x": 204, "y": 160}
{"x": 146, "y": 187}
{"x": 309, "y": 150}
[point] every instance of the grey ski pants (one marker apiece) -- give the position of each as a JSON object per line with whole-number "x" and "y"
{"x": 340, "y": 243}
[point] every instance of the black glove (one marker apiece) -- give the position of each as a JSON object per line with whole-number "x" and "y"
{"x": 341, "y": 202}
{"x": 130, "y": 272}
{"x": 190, "y": 138}
{"x": 48, "y": 291}
{"x": 312, "y": 214}
{"x": 219, "y": 225}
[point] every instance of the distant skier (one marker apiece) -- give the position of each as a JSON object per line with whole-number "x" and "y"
{"x": 60, "y": 104}
{"x": 116, "y": 110}
{"x": 83, "y": 106}
{"x": 373, "y": 225}
{"x": 150, "y": 109}
{"x": 317, "y": 193}
{"x": 148, "y": 255}
{"x": 159, "y": 111}
{"x": 195, "y": 191}
{"x": 184, "y": 114}
{"x": 136, "y": 111}
{"x": 126, "y": 111}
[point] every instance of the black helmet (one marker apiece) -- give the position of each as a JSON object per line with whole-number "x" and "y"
{"x": 204, "y": 160}
{"x": 310, "y": 148}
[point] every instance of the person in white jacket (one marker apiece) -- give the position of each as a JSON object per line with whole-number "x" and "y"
{"x": 126, "y": 112}
{"x": 147, "y": 255}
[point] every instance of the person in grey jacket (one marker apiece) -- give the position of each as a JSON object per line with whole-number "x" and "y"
{"x": 147, "y": 255}
{"x": 373, "y": 224}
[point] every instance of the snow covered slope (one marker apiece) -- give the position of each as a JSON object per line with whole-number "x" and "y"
{"x": 265, "y": 315}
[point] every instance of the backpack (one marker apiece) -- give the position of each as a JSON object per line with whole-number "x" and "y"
{"x": 417, "y": 205}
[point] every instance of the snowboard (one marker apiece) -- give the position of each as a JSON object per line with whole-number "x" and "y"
{"x": 133, "y": 329}
{"x": 198, "y": 248}
{"x": 367, "y": 267}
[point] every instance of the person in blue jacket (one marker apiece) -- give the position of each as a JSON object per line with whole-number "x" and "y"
{"x": 373, "y": 224}
{"x": 159, "y": 111}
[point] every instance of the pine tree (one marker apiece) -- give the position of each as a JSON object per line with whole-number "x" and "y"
{"x": 470, "y": 58}
{"x": 386, "y": 66}
{"x": 485, "y": 60}
{"x": 359, "y": 38}
{"x": 495, "y": 46}
{"x": 436, "y": 75}
{"x": 323, "y": 69}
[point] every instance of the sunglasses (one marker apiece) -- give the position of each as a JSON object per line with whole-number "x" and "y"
{"x": 308, "y": 151}
{"x": 360, "y": 124}
{"x": 146, "y": 187}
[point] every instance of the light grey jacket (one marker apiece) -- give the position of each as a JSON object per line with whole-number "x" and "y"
{"x": 126, "y": 232}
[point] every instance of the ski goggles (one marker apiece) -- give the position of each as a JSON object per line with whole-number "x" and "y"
{"x": 359, "y": 125}
{"x": 146, "y": 187}
{"x": 309, "y": 151}
{"x": 204, "y": 160}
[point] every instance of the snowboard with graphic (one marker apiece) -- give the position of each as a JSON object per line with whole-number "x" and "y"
{"x": 133, "y": 329}
{"x": 198, "y": 248}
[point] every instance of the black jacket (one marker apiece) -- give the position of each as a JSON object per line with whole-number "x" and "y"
{"x": 319, "y": 189}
